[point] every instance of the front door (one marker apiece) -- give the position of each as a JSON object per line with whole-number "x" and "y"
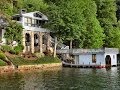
{"x": 77, "y": 59}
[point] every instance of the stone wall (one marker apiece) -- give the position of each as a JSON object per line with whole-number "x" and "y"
{"x": 4, "y": 69}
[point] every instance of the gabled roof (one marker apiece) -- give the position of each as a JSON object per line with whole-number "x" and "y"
{"x": 35, "y": 15}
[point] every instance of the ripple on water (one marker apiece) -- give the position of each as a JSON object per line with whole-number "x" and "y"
{"x": 63, "y": 79}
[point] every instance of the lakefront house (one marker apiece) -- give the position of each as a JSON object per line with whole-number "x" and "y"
{"x": 35, "y": 37}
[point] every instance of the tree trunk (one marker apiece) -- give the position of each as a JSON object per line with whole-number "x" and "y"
{"x": 71, "y": 44}
{"x": 55, "y": 46}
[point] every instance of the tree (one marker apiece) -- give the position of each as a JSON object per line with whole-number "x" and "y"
{"x": 118, "y": 9}
{"x": 77, "y": 21}
{"x": 35, "y": 5}
{"x": 106, "y": 14}
{"x": 93, "y": 36}
{"x": 6, "y": 7}
{"x": 13, "y": 33}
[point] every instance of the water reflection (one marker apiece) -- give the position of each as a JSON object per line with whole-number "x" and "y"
{"x": 62, "y": 79}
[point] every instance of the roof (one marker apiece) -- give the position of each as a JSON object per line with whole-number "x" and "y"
{"x": 89, "y": 51}
{"x": 35, "y": 15}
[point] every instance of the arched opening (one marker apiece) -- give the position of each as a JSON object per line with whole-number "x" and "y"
{"x": 108, "y": 61}
{"x": 118, "y": 59}
{"x": 27, "y": 41}
{"x": 36, "y": 42}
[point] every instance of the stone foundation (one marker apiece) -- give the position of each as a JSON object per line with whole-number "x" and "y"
{"x": 4, "y": 69}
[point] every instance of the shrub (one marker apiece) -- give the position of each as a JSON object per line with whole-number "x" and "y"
{"x": 19, "y": 48}
{"x": 17, "y": 52}
{"x": 12, "y": 51}
{"x": 6, "y": 48}
{"x": 2, "y": 63}
{"x": 2, "y": 56}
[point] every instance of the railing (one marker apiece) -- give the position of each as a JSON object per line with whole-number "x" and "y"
{"x": 87, "y": 50}
{"x": 60, "y": 45}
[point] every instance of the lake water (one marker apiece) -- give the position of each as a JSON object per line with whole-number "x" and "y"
{"x": 62, "y": 79}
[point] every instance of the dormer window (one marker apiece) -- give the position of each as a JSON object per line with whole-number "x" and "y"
{"x": 38, "y": 15}
{"x": 16, "y": 18}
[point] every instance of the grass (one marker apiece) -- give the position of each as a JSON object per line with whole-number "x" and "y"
{"x": 43, "y": 60}
{"x": 2, "y": 63}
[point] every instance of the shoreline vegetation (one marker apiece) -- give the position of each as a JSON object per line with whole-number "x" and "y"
{"x": 21, "y": 64}
{"x": 12, "y": 62}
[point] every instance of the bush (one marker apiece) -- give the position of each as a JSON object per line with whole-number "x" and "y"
{"x": 17, "y": 52}
{"x": 2, "y": 56}
{"x": 19, "y": 48}
{"x": 12, "y": 51}
{"x": 2, "y": 63}
{"x": 6, "y": 48}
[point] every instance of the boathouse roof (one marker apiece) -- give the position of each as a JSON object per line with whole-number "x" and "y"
{"x": 88, "y": 51}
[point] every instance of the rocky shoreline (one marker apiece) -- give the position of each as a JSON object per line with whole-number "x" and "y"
{"x": 13, "y": 68}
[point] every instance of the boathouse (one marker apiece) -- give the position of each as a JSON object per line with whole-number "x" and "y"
{"x": 96, "y": 57}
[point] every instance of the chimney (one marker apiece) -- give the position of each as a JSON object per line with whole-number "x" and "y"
{"x": 22, "y": 11}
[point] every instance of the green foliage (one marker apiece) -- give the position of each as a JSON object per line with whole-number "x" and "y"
{"x": 43, "y": 60}
{"x": 12, "y": 51}
{"x": 2, "y": 63}
{"x": 19, "y": 48}
{"x": 70, "y": 20}
{"x": 77, "y": 21}
{"x": 6, "y": 48}
{"x": 2, "y": 56}
{"x": 13, "y": 33}
{"x": 31, "y": 5}
{"x": 118, "y": 9}
{"x": 106, "y": 14}
{"x": 6, "y": 7}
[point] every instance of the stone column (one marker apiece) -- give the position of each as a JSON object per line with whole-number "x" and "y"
{"x": 23, "y": 42}
{"x": 41, "y": 41}
{"x": 48, "y": 40}
{"x": 32, "y": 41}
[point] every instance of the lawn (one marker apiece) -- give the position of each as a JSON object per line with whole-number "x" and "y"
{"x": 42, "y": 60}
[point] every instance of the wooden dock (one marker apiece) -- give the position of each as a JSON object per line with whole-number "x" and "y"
{"x": 64, "y": 64}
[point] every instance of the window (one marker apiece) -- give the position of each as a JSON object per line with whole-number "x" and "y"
{"x": 38, "y": 15}
{"x": 28, "y": 21}
{"x": 93, "y": 58}
{"x": 25, "y": 21}
{"x": 17, "y": 18}
{"x": 33, "y": 22}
